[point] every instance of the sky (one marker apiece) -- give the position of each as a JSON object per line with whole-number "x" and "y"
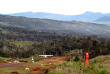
{"x": 66, "y": 7}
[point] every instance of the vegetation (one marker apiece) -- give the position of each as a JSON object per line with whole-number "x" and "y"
{"x": 20, "y": 69}
{"x": 48, "y": 25}
{"x": 23, "y": 43}
{"x": 20, "y": 34}
{"x": 17, "y": 42}
{"x": 76, "y": 58}
{"x": 4, "y": 60}
{"x": 58, "y": 47}
{"x": 79, "y": 67}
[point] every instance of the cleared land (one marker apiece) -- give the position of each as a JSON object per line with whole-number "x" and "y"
{"x": 58, "y": 65}
{"x": 38, "y": 67}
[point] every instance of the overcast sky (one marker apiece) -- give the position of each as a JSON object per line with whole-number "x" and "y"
{"x": 67, "y": 7}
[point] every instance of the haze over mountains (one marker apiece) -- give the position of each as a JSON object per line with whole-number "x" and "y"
{"x": 85, "y": 17}
{"x": 48, "y": 25}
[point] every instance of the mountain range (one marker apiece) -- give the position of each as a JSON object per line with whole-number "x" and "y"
{"x": 48, "y": 25}
{"x": 85, "y": 17}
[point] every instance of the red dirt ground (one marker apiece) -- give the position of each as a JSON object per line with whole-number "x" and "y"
{"x": 42, "y": 68}
{"x": 49, "y": 60}
{"x": 54, "y": 59}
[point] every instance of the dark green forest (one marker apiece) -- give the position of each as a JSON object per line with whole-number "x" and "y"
{"x": 57, "y": 47}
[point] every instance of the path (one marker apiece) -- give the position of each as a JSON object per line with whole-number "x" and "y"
{"x": 48, "y": 61}
{"x": 12, "y": 65}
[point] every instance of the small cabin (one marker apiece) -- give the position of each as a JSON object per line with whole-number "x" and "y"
{"x": 45, "y": 56}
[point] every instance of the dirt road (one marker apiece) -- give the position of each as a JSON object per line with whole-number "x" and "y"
{"x": 12, "y": 65}
{"x": 50, "y": 66}
{"x": 48, "y": 63}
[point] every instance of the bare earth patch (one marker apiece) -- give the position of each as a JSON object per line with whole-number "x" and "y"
{"x": 34, "y": 68}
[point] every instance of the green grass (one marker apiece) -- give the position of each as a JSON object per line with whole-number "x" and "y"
{"x": 102, "y": 61}
{"x": 13, "y": 69}
{"x": 20, "y": 69}
{"x": 4, "y": 23}
{"x": 2, "y": 59}
{"x": 4, "y": 31}
{"x": 76, "y": 51}
{"x": 23, "y": 43}
{"x": 30, "y": 59}
{"x": 98, "y": 65}
{"x": 22, "y": 59}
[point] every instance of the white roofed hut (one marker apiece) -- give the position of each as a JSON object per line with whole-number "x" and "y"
{"x": 45, "y": 56}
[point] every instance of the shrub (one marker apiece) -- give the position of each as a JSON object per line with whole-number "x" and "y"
{"x": 36, "y": 59}
{"x": 67, "y": 59}
{"x": 104, "y": 72}
{"x": 100, "y": 66}
{"x": 76, "y": 58}
{"x": 22, "y": 60}
{"x": 1, "y": 60}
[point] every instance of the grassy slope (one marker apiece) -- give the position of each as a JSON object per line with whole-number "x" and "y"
{"x": 98, "y": 65}
{"x": 23, "y": 43}
{"x": 103, "y": 61}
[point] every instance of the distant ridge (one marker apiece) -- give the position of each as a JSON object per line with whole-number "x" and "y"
{"x": 85, "y": 17}
{"x": 103, "y": 20}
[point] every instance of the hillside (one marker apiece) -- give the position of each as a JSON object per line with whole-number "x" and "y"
{"x": 48, "y": 25}
{"x": 20, "y": 34}
{"x": 104, "y": 20}
{"x": 98, "y": 65}
{"x": 100, "y": 18}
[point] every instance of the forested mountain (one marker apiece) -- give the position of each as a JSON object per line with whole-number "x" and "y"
{"x": 48, "y": 25}
{"x": 20, "y": 34}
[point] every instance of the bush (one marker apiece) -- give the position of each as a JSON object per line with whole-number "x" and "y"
{"x": 103, "y": 72}
{"x": 1, "y": 60}
{"x": 67, "y": 59}
{"x": 36, "y": 59}
{"x": 23, "y": 60}
{"x": 76, "y": 58}
{"x": 100, "y": 66}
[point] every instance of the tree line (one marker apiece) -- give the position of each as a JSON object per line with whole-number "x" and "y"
{"x": 57, "y": 47}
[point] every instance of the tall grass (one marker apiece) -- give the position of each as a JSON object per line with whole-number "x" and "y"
{"x": 3, "y": 60}
{"x": 79, "y": 67}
